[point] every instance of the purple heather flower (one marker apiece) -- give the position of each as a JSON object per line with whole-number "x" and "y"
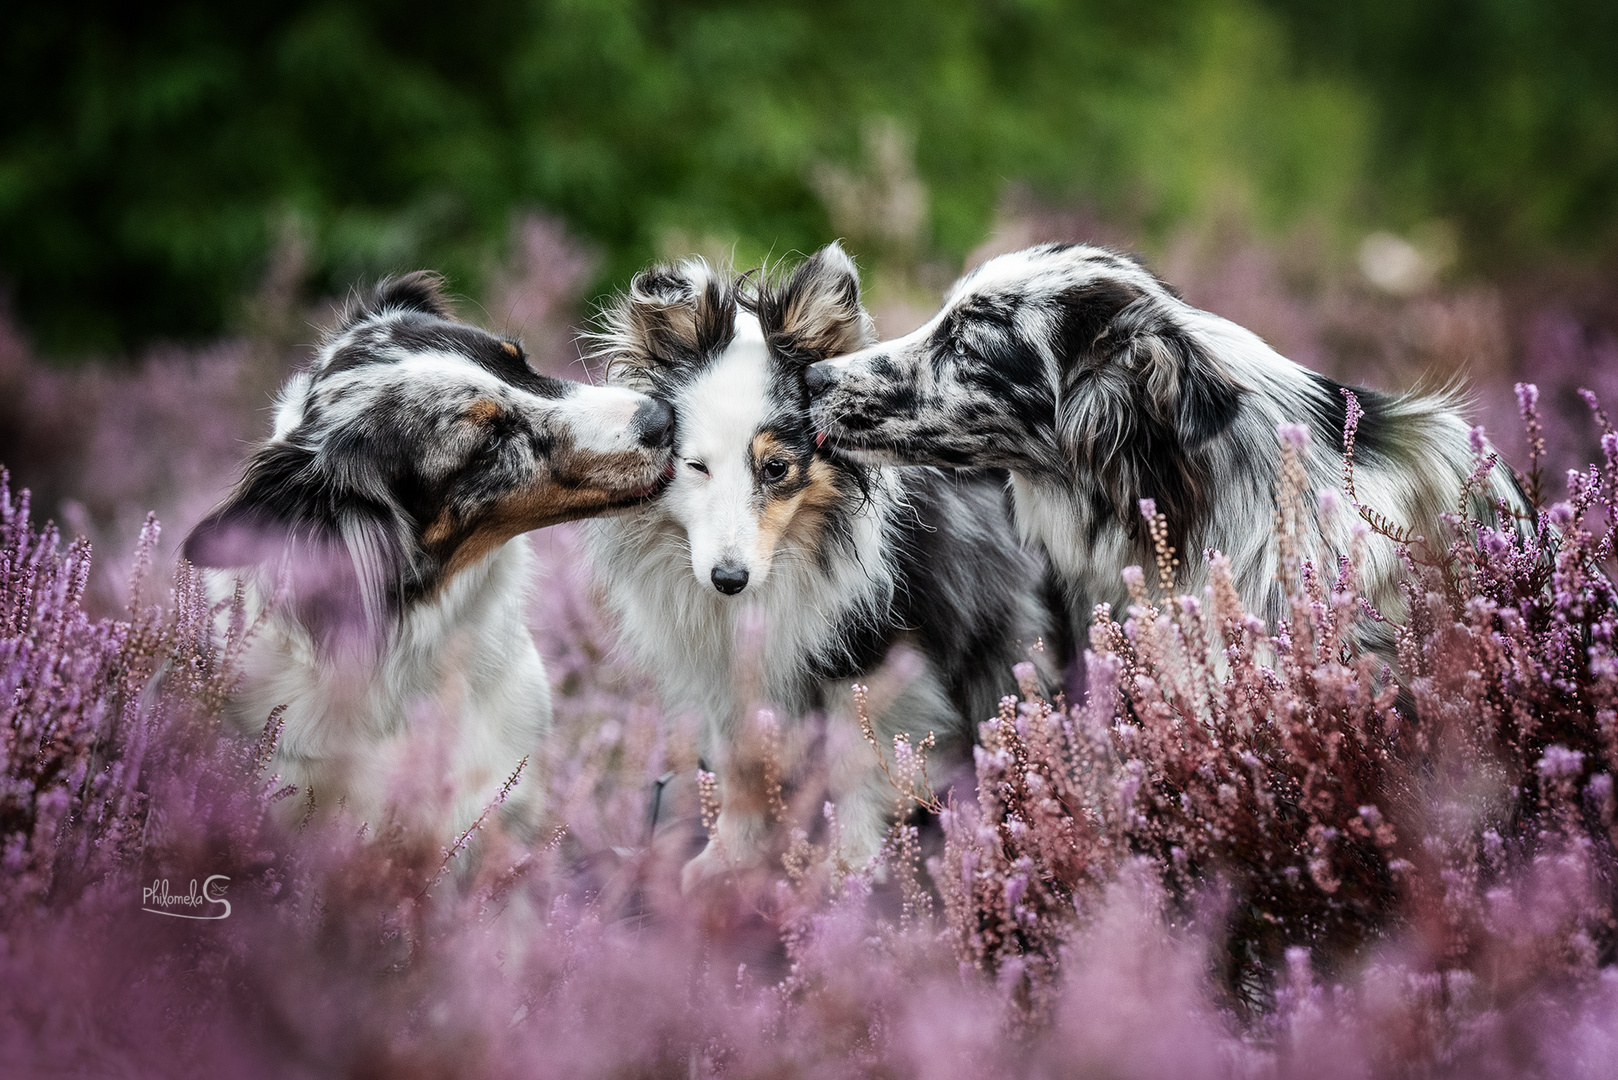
{"x": 1527, "y": 396}
{"x": 1016, "y": 887}
{"x": 1560, "y": 761}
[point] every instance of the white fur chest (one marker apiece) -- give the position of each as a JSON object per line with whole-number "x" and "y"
{"x": 712, "y": 655}
{"x": 424, "y": 730}
{"x": 1055, "y": 517}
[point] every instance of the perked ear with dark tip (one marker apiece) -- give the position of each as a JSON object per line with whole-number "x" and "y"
{"x": 421, "y": 291}
{"x": 670, "y": 317}
{"x": 816, "y": 313}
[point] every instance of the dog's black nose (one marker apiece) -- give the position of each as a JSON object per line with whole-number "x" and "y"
{"x": 655, "y": 423}
{"x": 820, "y": 378}
{"x": 729, "y": 580}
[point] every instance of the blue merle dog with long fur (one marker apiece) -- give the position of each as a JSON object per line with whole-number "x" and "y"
{"x": 1096, "y": 386}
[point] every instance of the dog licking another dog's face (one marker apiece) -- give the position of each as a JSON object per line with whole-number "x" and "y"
{"x": 372, "y": 542}
{"x": 413, "y": 447}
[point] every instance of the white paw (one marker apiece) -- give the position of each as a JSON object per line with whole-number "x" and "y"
{"x": 710, "y": 865}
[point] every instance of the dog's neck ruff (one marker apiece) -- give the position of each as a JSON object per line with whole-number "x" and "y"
{"x": 707, "y": 647}
{"x": 456, "y": 676}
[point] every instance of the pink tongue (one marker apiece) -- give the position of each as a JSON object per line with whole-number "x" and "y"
{"x": 820, "y": 437}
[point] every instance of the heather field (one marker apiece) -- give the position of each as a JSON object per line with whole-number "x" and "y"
{"x": 1237, "y": 853}
{"x": 1225, "y": 850}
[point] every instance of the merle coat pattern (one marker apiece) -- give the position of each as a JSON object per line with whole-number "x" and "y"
{"x": 828, "y": 567}
{"x": 376, "y": 534}
{"x": 1096, "y": 386}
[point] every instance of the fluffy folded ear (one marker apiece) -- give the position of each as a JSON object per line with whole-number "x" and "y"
{"x": 1140, "y": 396}
{"x": 816, "y": 312}
{"x": 342, "y": 557}
{"x": 260, "y": 517}
{"x": 670, "y": 317}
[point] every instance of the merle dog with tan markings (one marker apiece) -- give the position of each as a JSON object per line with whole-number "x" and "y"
{"x": 1097, "y": 386}
{"x": 377, "y": 532}
{"x": 767, "y": 540}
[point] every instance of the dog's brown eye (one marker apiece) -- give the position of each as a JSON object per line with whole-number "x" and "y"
{"x": 697, "y": 466}
{"x": 774, "y": 469}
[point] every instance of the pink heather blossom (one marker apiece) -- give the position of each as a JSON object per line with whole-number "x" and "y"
{"x": 1560, "y": 761}
{"x": 1293, "y": 435}
{"x": 1527, "y": 396}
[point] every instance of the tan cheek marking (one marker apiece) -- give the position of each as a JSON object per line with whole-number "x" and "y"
{"x": 765, "y": 446}
{"x": 777, "y": 516}
{"x": 439, "y": 532}
{"x": 778, "y": 512}
{"x": 801, "y": 517}
{"x": 522, "y": 511}
{"x": 817, "y": 501}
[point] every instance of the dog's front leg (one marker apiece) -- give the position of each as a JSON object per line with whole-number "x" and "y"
{"x": 739, "y": 840}
{"x": 904, "y": 698}
{"x": 865, "y": 804}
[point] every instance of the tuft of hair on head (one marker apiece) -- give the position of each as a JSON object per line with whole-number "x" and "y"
{"x": 814, "y": 312}
{"x": 421, "y": 291}
{"x": 669, "y": 317}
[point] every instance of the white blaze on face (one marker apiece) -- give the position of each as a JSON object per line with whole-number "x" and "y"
{"x": 719, "y": 413}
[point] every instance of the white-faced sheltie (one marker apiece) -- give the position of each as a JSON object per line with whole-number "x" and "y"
{"x": 1096, "y": 386}
{"x": 766, "y": 540}
{"x": 377, "y": 534}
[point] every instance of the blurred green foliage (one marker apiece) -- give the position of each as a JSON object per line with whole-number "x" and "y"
{"x": 153, "y": 155}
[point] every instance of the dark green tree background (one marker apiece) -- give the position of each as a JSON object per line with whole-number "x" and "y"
{"x": 151, "y": 155}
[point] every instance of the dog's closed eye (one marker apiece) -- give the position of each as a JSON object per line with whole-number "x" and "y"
{"x": 697, "y": 466}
